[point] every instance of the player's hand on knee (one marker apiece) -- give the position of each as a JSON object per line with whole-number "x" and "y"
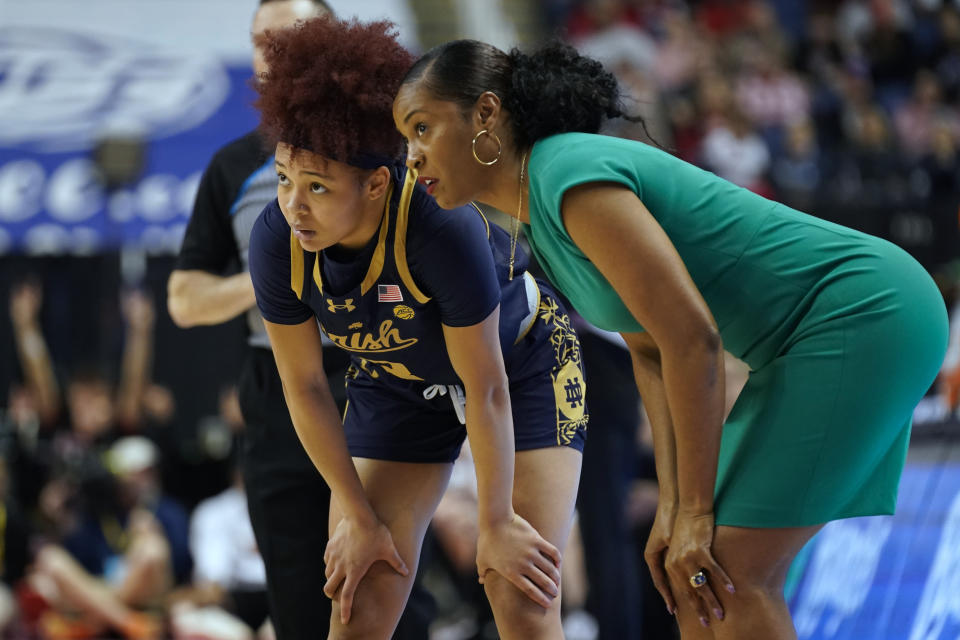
{"x": 655, "y": 553}
{"x": 352, "y": 549}
{"x": 692, "y": 568}
{"x": 515, "y": 550}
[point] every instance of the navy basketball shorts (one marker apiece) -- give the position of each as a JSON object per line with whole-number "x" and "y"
{"x": 406, "y": 421}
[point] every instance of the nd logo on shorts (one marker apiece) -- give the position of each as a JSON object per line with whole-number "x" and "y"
{"x": 569, "y": 388}
{"x": 403, "y": 312}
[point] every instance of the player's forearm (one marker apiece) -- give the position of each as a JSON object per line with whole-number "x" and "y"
{"x": 693, "y": 377}
{"x": 490, "y": 430}
{"x": 199, "y": 298}
{"x": 314, "y": 415}
{"x": 38, "y": 369}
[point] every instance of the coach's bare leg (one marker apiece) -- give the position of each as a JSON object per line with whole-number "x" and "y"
{"x": 757, "y": 561}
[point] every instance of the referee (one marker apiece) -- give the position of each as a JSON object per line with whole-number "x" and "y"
{"x": 287, "y": 498}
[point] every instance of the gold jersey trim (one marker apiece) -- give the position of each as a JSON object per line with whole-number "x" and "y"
{"x": 296, "y": 266}
{"x": 316, "y": 271}
{"x": 379, "y": 254}
{"x": 400, "y": 238}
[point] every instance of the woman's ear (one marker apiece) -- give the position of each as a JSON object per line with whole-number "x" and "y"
{"x": 486, "y": 110}
{"x": 376, "y": 183}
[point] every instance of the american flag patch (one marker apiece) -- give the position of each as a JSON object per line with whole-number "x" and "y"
{"x": 389, "y": 293}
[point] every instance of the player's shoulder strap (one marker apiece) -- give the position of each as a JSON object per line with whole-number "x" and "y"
{"x": 400, "y": 237}
{"x": 296, "y": 266}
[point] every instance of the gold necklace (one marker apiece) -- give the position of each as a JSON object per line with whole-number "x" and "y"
{"x": 515, "y": 224}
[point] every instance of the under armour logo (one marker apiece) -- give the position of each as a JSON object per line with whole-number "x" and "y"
{"x": 347, "y": 305}
{"x": 574, "y": 391}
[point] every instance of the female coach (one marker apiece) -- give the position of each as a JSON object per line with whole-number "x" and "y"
{"x": 843, "y": 332}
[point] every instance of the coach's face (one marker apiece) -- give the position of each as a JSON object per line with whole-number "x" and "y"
{"x": 326, "y": 202}
{"x": 276, "y": 15}
{"x": 438, "y": 139}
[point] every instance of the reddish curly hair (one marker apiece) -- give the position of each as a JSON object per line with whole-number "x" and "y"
{"x": 330, "y": 88}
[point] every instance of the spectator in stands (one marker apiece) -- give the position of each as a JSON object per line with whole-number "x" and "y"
{"x": 721, "y": 18}
{"x": 889, "y": 50}
{"x": 871, "y": 170}
{"x": 940, "y": 183}
{"x": 796, "y": 172}
{"x": 41, "y": 391}
{"x": 93, "y": 409}
{"x": 126, "y": 550}
{"x": 945, "y": 59}
{"x": 715, "y": 100}
{"x": 55, "y": 440}
{"x": 98, "y": 518}
{"x": 228, "y": 596}
{"x": 615, "y": 40}
{"x": 734, "y": 151}
{"x": 681, "y": 55}
{"x": 686, "y": 126}
{"x": 14, "y": 532}
{"x": 820, "y": 58}
{"x": 761, "y": 26}
{"x": 770, "y": 95}
{"x": 915, "y": 118}
{"x": 590, "y": 16}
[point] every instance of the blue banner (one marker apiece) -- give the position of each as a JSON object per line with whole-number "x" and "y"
{"x": 62, "y": 92}
{"x": 888, "y": 578}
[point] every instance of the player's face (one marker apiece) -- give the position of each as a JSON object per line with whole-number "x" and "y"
{"x": 439, "y": 136}
{"x": 322, "y": 200}
{"x": 274, "y": 16}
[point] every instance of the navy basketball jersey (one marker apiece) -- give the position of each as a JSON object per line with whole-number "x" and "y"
{"x": 389, "y": 323}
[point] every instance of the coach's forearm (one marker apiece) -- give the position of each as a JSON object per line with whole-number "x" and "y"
{"x": 648, "y": 376}
{"x": 693, "y": 378}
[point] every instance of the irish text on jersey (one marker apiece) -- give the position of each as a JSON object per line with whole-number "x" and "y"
{"x": 388, "y": 339}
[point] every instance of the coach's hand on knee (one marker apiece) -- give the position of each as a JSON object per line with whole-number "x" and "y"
{"x": 655, "y": 553}
{"x": 691, "y": 567}
{"x": 352, "y": 548}
{"x": 515, "y": 550}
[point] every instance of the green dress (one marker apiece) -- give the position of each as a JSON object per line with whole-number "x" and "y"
{"x": 843, "y": 332}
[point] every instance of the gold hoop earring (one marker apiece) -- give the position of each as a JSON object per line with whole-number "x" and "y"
{"x": 499, "y": 148}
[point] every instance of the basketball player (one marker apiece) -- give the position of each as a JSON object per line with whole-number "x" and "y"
{"x": 447, "y": 333}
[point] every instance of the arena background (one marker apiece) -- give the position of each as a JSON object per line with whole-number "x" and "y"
{"x": 110, "y": 110}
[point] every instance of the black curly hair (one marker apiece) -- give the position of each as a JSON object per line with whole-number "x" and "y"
{"x": 578, "y": 92}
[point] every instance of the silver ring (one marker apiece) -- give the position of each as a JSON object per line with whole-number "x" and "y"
{"x": 698, "y": 579}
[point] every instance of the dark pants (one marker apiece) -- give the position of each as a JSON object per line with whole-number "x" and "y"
{"x": 289, "y": 507}
{"x": 608, "y": 466}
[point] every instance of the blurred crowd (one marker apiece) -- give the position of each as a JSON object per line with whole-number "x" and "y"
{"x": 101, "y": 537}
{"x": 113, "y": 523}
{"x": 848, "y": 110}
